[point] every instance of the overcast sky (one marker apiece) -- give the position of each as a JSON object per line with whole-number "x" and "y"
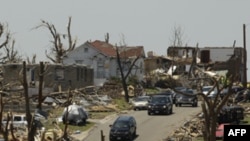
{"x": 150, "y": 23}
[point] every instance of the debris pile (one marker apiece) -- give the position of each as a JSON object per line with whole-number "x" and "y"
{"x": 190, "y": 129}
{"x": 193, "y": 128}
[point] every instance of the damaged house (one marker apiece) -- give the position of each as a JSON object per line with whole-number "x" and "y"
{"x": 183, "y": 61}
{"x": 101, "y": 56}
{"x": 56, "y": 77}
{"x": 219, "y": 60}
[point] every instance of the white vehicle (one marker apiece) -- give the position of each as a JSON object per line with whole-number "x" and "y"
{"x": 140, "y": 102}
{"x": 17, "y": 121}
{"x": 206, "y": 89}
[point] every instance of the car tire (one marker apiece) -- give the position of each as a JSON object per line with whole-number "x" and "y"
{"x": 176, "y": 104}
{"x": 130, "y": 137}
{"x": 149, "y": 113}
{"x": 171, "y": 111}
{"x": 134, "y": 133}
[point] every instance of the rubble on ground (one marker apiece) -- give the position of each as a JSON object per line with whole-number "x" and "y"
{"x": 193, "y": 128}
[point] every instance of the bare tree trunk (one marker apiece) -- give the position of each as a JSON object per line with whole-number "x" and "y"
{"x": 1, "y": 111}
{"x": 124, "y": 83}
{"x": 124, "y": 77}
{"x": 65, "y": 133}
{"x": 40, "y": 94}
{"x": 211, "y": 109}
{"x": 31, "y": 126}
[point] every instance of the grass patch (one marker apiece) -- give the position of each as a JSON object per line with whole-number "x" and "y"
{"x": 245, "y": 121}
{"x": 99, "y": 115}
{"x": 55, "y": 113}
{"x": 151, "y": 91}
{"x": 122, "y": 104}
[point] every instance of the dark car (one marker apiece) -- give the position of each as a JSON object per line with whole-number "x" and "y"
{"x": 160, "y": 104}
{"x": 123, "y": 128}
{"x": 190, "y": 98}
{"x": 169, "y": 93}
{"x": 231, "y": 114}
{"x": 234, "y": 90}
{"x": 242, "y": 96}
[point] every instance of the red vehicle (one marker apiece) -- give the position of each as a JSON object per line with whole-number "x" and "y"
{"x": 220, "y": 131}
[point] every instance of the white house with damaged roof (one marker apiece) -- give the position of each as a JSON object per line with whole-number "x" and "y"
{"x": 101, "y": 56}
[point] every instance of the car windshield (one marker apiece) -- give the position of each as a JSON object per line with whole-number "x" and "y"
{"x": 189, "y": 92}
{"x": 121, "y": 124}
{"x": 159, "y": 100}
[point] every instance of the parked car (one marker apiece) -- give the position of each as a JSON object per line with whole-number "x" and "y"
{"x": 219, "y": 133}
{"x": 234, "y": 90}
{"x": 206, "y": 89}
{"x": 17, "y": 121}
{"x": 231, "y": 114}
{"x": 140, "y": 103}
{"x": 190, "y": 98}
{"x": 242, "y": 96}
{"x": 213, "y": 91}
{"x": 160, "y": 104}
{"x": 123, "y": 128}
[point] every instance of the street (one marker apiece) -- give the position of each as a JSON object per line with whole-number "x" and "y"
{"x": 149, "y": 128}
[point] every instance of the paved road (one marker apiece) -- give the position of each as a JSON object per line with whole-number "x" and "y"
{"x": 149, "y": 128}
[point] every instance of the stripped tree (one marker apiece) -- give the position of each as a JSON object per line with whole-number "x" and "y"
{"x": 9, "y": 54}
{"x": 58, "y": 50}
{"x": 125, "y": 61}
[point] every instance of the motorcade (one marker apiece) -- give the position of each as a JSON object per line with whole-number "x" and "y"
{"x": 160, "y": 104}
{"x": 140, "y": 102}
{"x": 188, "y": 98}
{"x": 123, "y": 128}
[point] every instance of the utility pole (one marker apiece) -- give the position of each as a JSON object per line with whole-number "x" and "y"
{"x": 245, "y": 57}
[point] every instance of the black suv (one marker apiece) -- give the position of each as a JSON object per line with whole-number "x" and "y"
{"x": 231, "y": 114}
{"x": 160, "y": 104}
{"x": 123, "y": 128}
{"x": 190, "y": 98}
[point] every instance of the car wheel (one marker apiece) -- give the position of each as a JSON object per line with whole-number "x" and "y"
{"x": 171, "y": 110}
{"x": 84, "y": 121}
{"x": 134, "y": 133}
{"x": 179, "y": 105}
{"x": 130, "y": 138}
{"x": 176, "y": 104}
{"x": 149, "y": 113}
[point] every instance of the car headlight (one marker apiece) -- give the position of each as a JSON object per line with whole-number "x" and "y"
{"x": 149, "y": 106}
{"x": 164, "y": 106}
{"x": 112, "y": 132}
